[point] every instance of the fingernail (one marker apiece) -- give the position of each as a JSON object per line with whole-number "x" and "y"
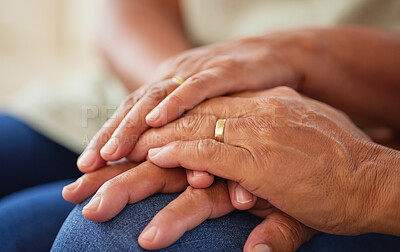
{"x": 109, "y": 148}
{"x": 154, "y": 152}
{"x": 86, "y": 159}
{"x": 149, "y": 234}
{"x": 261, "y": 248}
{"x": 200, "y": 173}
{"x": 93, "y": 204}
{"x": 242, "y": 195}
{"x": 71, "y": 187}
{"x": 152, "y": 116}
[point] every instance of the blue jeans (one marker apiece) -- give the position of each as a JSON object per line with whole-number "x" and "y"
{"x": 27, "y": 158}
{"x": 30, "y": 219}
{"x": 227, "y": 233}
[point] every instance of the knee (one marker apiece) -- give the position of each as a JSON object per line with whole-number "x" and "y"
{"x": 227, "y": 233}
{"x": 119, "y": 234}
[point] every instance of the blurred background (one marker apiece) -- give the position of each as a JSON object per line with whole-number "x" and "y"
{"x": 45, "y": 39}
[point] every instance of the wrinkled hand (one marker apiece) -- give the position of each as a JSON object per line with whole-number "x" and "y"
{"x": 126, "y": 183}
{"x": 238, "y": 65}
{"x": 304, "y": 157}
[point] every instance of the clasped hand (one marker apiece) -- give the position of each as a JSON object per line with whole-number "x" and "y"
{"x": 291, "y": 152}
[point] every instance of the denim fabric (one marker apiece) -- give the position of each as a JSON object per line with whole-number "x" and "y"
{"x": 30, "y": 219}
{"x": 120, "y": 234}
{"x": 28, "y": 159}
{"x": 227, "y": 233}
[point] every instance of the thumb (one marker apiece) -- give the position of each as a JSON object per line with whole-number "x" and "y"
{"x": 278, "y": 232}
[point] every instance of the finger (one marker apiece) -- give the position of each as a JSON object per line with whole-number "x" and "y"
{"x": 190, "y": 127}
{"x": 278, "y": 232}
{"x": 187, "y": 128}
{"x": 89, "y": 183}
{"x": 133, "y": 125}
{"x": 241, "y": 199}
{"x": 199, "y": 179}
{"x": 193, "y": 91}
{"x": 178, "y": 216}
{"x": 132, "y": 186}
{"x": 91, "y": 159}
{"x": 208, "y": 155}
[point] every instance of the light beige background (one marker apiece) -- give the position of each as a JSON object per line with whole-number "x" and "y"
{"x": 45, "y": 39}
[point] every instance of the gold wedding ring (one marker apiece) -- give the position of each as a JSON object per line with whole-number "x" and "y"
{"x": 178, "y": 80}
{"x": 219, "y": 130}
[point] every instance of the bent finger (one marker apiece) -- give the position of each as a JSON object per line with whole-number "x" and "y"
{"x": 194, "y": 90}
{"x": 133, "y": 124}
{"x": 177, "y": 217}
{"x": 199, "y": 179}
{"x": 89, "y": 183}
{"x": 90, "y": 159}
{"x": 204, "y": 155}
{"x": 132, "y": 186}
{"x": 278, "y": 232}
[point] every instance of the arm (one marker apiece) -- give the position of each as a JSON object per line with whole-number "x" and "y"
{"x": 137, "y": 35}
{"x": 357, "y": 71}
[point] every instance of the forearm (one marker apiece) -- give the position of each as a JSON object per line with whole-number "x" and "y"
{"x": 356, "y": 70}
{"x": 135, "y": 36}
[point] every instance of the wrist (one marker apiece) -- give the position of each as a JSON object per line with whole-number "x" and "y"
{"x": 382, "y": 179}
{"x": 304, "y": 51}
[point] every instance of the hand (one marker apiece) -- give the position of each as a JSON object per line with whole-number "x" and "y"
{"x": 304, "y": 157}
{"x": 128, "y": 183}
{"x": 245, "y": 64}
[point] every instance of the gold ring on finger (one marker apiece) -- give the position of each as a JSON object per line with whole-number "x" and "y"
{"x": 219, "y": 130}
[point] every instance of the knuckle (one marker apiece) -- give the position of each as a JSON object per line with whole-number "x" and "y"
{"x": 129, "y": 122}
{"x": 197, "y": 80}
{"x": 260, "y": 126}
{"x": 191, "y": 124}
{"x": 292, "y": 232}
{"x": 196, "y": 195}
{"x": 131, "y": 99}
{"x": 203, "y": 79}
{"x": 285, "y": 90}
{"x": 157, "y": 92}
{"x": 230, "y": 63}
{"x": 273, "y": 102}
{"x": 209, "y": 149}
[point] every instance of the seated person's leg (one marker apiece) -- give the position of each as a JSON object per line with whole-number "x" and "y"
{"x": 228, "y": 233}
{"x": 27, "y": 158}
{"x": 30, "y": 219}
{"x": 361, "y": 243}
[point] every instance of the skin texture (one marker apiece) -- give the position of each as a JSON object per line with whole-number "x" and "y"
{"x": 304, "y": 60}
{"x": 124, "y": 183}
{"x": 327, "y": 64}
{"x": 294, "y": 152}
{"x": 129, "y": 37}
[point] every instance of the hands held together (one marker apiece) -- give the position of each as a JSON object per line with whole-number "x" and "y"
{"x": 300, "y": 164}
